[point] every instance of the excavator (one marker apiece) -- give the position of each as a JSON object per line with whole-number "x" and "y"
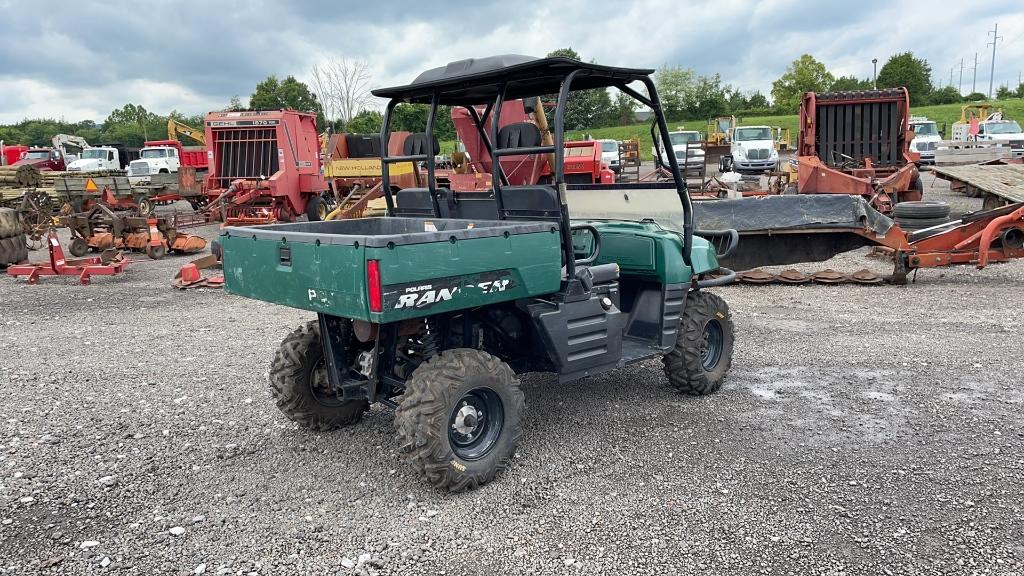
{"x": 176, "y": 129}
{"x": 60, "y": 141}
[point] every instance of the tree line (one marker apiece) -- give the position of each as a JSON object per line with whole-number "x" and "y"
{"x": 339, "y": 94}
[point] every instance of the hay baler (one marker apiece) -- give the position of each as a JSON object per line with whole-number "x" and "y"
{"x": 858, "y": 143}
{"x": 264, "y": 166}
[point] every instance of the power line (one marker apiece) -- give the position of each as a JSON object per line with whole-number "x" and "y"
{"x": 992, "y": 73}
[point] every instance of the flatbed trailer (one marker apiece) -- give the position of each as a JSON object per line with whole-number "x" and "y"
{"x": 997, "y": 183}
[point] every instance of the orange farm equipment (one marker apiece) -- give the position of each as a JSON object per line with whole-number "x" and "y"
{"x": 265, "y": 166}
{"x": 858, "y": 143}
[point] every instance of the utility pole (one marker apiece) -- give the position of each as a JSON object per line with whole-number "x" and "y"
{"x": 960, "y": 89}
{"x": 874, "y": 74}
{"x": 974, "y": 82}
{"x": 992, "y": 73}
{"x": 951, "y": 76}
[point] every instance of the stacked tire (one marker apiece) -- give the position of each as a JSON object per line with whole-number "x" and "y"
{"x": 13, "y": 247}
{"x": 921, "y": 214}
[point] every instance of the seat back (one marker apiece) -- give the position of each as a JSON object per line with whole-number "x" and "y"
{"x": 518, "y": 135}
{"x": 417, "y": 143}
{"x": 363, "y": 145}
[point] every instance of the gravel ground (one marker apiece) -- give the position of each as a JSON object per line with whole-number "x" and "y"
{"x": 862, "y": 430}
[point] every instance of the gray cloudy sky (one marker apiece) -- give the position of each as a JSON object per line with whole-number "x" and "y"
{"x": 79, "y": 60}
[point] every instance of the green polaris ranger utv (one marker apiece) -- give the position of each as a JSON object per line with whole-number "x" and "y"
{"x": 435, "y": 309}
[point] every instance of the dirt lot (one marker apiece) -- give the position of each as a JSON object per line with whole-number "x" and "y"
{"x": 862, "y": 430}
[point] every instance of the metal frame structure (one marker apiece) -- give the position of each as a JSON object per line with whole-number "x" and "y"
{"x": 573, "y": 71}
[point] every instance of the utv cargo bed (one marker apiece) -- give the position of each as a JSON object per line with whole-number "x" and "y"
{"x": 387, "y": 269}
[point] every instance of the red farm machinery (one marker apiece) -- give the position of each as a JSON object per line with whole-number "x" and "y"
{"x": 264, "y": 166}
{"x": 858, "y": 143}
{"x": 582, "y": 159}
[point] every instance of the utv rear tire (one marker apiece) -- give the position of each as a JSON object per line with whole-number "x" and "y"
{"x": 297, "y": 369}
{"x": 432, "y": 413}
{"x": 703, "y": 353}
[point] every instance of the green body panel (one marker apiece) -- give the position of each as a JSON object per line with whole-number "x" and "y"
{"x": 473, "y": 273}
{"x": 644, "y": 249}
{"x": 417, "y": 279}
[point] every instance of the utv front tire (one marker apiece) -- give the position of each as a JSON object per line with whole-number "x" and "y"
{"x": 703, "y": 353}
{"x": 459, "y": 421}
{"x": 298, "y": 383}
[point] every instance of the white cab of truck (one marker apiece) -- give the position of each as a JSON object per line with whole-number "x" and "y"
{"x": 1004, "y": 132}
{"x": 686, "y": 145}
{"x": 154, "y": 160}
{"x": 610, "y": 154}
{"x": 752, "y": 150}
{"x": 926, "y": 138}
{"x": 97, "y": 158}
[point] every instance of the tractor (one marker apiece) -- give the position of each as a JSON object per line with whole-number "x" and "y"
{"x": 436, "y": 309}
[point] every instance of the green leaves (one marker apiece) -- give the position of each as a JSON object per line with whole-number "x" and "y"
{"x": 805, "y": 74}
{"x": 905, "y": 71}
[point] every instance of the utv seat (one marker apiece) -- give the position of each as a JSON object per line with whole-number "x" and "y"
{"x": 416, "y": 202}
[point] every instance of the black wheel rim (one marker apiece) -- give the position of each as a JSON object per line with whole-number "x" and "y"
{"x": 475, "y": 423}
{"x": 713, "y": 342}
{"x": 320, "y": 386}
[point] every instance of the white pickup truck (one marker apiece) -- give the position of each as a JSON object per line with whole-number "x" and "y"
{"x": 687, "y": 147}
{"x": 751, "y": 151}
{"x": 154, "y": 160}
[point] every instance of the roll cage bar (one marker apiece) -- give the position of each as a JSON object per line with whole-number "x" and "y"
{"x": 510, "y": 83}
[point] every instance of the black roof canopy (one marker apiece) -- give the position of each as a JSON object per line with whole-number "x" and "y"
{"x": 478, "y": 80}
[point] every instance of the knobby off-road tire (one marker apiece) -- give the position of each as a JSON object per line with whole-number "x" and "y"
{"x": 703, "y": 352}
{"x": 298, "y": 372}
{"x": 432, "y": 423}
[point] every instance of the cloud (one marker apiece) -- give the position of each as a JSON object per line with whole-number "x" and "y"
{"x": 85, "y": 59}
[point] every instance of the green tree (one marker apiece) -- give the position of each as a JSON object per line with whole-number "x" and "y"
{"x": 272, "y": 94}
{"x": 975, "y": 97}
{"x": 947, "y": 95}
{"x": 805, "y": 74}
{"x": 365, "y": 122}
{"x": 623, "y": 110}
{"x": 1020, "y": 90}
{"x": 584, "y": 108}
{"x": 850, "y": 83}
{"x": 758, "y": 101}
{"x": 708, "y": 98}
{"x": 737, "y": 101}
{"x": 914, "y": 74}
{"x": 413, "y": 118}
{"x": 1004, "y": 93}
{"x": 673, "y": 84}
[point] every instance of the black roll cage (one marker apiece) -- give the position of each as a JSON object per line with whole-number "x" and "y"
{"x": 498, "y": 177}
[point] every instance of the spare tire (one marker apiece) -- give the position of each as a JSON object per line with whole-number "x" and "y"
{"x": 928, "y": 209}
{"x": 919, "y": 223}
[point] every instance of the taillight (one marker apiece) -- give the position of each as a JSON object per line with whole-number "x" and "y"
{"x": 373, "y": 286}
